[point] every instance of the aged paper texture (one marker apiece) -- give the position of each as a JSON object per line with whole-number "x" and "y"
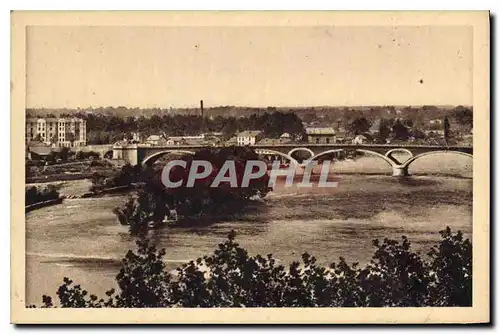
{"x": 381, "y": 117}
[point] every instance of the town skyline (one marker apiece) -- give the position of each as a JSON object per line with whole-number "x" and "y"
{"x": 281, "y": 107}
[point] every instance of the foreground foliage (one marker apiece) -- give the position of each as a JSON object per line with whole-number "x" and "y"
{"x": 230, "y": 277}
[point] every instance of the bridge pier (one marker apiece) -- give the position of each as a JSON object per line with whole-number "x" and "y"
{"x": 400, "y": 170}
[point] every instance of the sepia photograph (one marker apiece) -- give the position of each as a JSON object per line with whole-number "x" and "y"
{"x": 244, "y": 167}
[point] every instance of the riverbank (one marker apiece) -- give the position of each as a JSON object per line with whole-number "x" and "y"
{"x": 80, "y": 188}
{"x": 107, "y": 191}
{"x": 42, "y": 204}
{"x": 77, "y": 170}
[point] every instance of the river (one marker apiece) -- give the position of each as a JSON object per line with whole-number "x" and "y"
{"x": 82, "y": 239}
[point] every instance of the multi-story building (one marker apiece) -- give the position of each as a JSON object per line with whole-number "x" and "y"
{"x": 61, "y": 132}
{"x": 249, "y": 137}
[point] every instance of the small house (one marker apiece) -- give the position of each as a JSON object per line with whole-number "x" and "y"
{"x": 153, "y": 140}
{"x": 39, "y": 151}
{"x": 249, "y": 137}
{"x": 321, "y": 135}
{"x": 285, "y": 135}
{"x": 359, "y": 139}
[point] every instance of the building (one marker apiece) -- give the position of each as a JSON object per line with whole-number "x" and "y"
{"x": 249, "y": 137}
{"x": 375, "y": 127}
{"x": 321, "y": 135}
{"x": 436, "y": 121}
{"x": 285, "y": 135}
{"x": 153, "y": 140}
{"x": 186, "y": 140}
{"x": 137, "y": 137}
{"x": 359, "y": 139}
{"x": 38, "y": 150}
{"x": 57, "y": 132}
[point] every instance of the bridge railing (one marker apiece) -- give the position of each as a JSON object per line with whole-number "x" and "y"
{"x": 298, "y": 145}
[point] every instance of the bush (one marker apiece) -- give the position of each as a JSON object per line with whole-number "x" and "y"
{"x": 127, "y": 175}
{"x": 34, "y": 195}
{"x": 230, "y": 277}
{"x": 81, "y": 155}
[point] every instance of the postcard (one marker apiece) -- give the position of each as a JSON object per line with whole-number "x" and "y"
{"x": 250, "y": 167}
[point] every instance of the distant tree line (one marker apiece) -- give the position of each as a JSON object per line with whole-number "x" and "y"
{"x": 420, "y": 117}
{"x": 104, "y": 129}
{"x": 403, "y": 129}
{"x": 230, "y": 277}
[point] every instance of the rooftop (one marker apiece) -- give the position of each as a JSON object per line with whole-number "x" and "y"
{"x": 249, "y": 133}
{"x": 154, "y": 137}
{"x": 232, "y": 140}
{"x": 40, "y": 148}
{"x": 320, "y": 131}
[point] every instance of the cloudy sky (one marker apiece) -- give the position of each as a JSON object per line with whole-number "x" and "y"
{"x": 248, "y": 66}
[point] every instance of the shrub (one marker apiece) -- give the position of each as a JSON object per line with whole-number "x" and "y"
{"x": 35, "y": 195}
{"x": 127, "y": 175}
{"x": 82, "y": 155}
{"x": 230, "y": 277}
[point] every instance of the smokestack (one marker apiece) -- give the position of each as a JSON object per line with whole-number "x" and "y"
{"x": 201, "y": 108}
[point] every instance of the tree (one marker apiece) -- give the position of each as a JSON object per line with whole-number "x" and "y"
{"x": 158, "y": 200}
{"x": 359, "y": 126}
{"x": 463, "y": 116}
{"x": 384, "y": 130}
{"x": 63, "y": 154}
{"x": 231, "y": 277}
{"x": 451, "y": 260}
{"x": 418, "y": 134}
{"x": 230, "y": 128}
{"x": 400, "y": 131}
{"x": 446, "y": 127}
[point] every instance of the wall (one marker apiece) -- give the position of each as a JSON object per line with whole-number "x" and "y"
{"x": 323, "y": 139}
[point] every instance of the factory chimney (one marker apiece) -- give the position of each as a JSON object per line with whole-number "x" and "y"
{"x": 201, "y": 108}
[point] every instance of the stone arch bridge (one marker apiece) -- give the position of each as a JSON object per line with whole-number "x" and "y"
{"x": 143, "y": 154}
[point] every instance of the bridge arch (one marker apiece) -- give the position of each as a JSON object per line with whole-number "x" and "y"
{"x": 388, "y": 153}
{"x": 383, "y": 157}
{"x": 153, "y": 157}
{"x": 107, "y": 154}
{"x": 298, "y": 149}
{"x": 267, "y": 151}
{"x": 408, "y": 162}
{"x": 315, "y": 157}
{"x": 398, "y": 149}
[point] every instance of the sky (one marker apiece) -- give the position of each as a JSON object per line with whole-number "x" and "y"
{"x": 82, "y": 66}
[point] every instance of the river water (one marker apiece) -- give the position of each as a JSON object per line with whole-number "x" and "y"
{"x": 82, "y": 239}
